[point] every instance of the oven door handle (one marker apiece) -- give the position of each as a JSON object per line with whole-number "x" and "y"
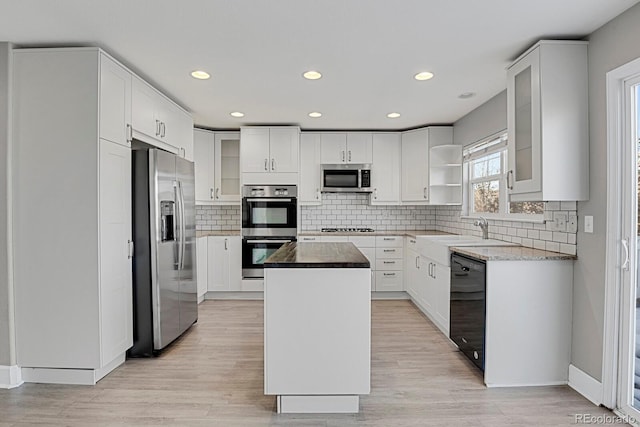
{"x": 268, "y": 241}
{"x": 270, "y": 200}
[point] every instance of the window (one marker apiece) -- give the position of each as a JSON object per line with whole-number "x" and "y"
{"x": 486, "y": 168}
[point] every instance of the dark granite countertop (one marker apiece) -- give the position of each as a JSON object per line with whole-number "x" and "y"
{"x": 317, "y": 255}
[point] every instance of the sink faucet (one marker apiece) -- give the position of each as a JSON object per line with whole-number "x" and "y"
{"x": 484, "y": 226}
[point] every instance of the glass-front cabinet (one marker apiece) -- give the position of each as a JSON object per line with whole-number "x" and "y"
{"x": 547, "y": 119}
{"x": 227, "y": 167}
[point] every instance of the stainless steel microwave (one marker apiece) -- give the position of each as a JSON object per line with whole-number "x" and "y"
{"x": 346, "y": 178}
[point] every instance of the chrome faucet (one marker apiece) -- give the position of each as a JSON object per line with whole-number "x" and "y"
{"x": 484, "y": 226}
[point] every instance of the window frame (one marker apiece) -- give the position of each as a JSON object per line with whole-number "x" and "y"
{"x": 503, "y": 195}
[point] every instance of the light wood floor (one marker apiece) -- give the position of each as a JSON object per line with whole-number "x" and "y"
{"x": 213, "y": 376}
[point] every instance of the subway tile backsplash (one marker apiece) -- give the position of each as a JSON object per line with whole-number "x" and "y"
{"x": 557, "y": 234}
{"x": 353, "y": 210}
{"x": 226, "y": 217}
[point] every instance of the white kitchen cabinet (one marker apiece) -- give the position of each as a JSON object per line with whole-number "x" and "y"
{"x": 426, "y": 286}
{"x": 416, "y": 145}
{"x": 310, "y": 175}
{"x": 202, "y": 261}
{"x": 77, "y": 303}
{"x": 445, "y": 175}
{"x": 217, "y": 167}
{"x": 441, "y": 280}
{"x": 389, "y": 263}
{"x": 367, "y": 245}
{"x": 411, "y": 269}
{"x": 269, "y": 155}
{"x": 548, "y": 123}
{"x": 158, "y": 121}
{"x": 385, "y": 176}
{"x": 224, "y": 266}
{"x": 346, "y": 147}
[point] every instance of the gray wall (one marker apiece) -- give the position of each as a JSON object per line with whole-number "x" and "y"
{"x": 484, "y": 121}
{"x": 614, "y": 44}
{"x": 5, "y": 340}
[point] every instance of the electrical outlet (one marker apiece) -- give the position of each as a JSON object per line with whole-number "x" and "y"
{"x": 572, "y": 223}
{"x": 560, "y": 219}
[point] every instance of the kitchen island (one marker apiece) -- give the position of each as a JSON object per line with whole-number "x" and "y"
{"x": 317, "y": 327}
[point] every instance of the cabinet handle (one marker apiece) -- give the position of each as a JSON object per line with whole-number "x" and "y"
{"x": 226, "y": 245}
{"x": 411, "y": 241}
{"x": 157, "y": 127}
{"x": 218, "y": 193}
{"x": 266, "y": 164}
{"x": 164, "y": 129}
{"x": 424, "y": 193}
{"x": 375, "y": 193}
{"x": 211, "y": 195}
{"x": 388, "y": 262}
{"x": 130, "y": 247}
{"x": 418, "y": 262}
{"x": 388, "y": 250}
{"x": 509, "y": 183}
{"x": 317, "y": 194}
{"x": 349, "y": 155}
{"x": 389, "y": 238}
{"x": 273, "y": 164}
{"x": 430, "y": 265}
{"x": 343, "y": 155}
{"x": 129, "y": 134}
{"x": 389, "y": 274}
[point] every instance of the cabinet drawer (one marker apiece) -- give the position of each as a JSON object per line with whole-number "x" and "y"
{"x": 389, "y": 281}
{"x": 363, "y": 241}
{"x": 308, "y": 238}
{"x": 389, "y": 264}
{"x": 393, "y": 253}
{"x": 389, "y": 241}
{"x": 334, "y": 239}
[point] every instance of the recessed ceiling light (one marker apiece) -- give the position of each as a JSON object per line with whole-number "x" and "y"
{"x": 315, "y": 114}
{"x": 393, "y": 115}
{"x": 467, "y": 95}
{"x": 200, "y": 75}
{"x": 312, "y": 75}
{"x": 424, "y": 75}
{"x": 237, "y": 114}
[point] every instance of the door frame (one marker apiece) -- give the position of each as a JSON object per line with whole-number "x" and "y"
{"x": 618, "y": 149}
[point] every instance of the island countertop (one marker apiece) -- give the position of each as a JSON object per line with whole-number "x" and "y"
{"x": 317, "y": 255}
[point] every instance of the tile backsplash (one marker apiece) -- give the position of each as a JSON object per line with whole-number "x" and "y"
{"x": 557, "y": 234}
{"x": 353, "y": 210}
{"x": 226, "y": 217}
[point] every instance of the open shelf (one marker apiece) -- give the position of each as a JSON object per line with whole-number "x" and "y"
{"x": 445, "y": 175}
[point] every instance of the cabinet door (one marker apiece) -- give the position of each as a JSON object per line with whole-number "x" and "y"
{"x": 227, "y": 167}
{"x": 385, "y": 178}
{"x": 235, "y": 262}
{"x": 254, "y": 150}
{"x": 442, "y": 282}
{"x": 143, "y": 109}
{"x": 359, "y": 147}
{"x": 310, "y": 181}
{"x": 115, "y": 102}
{"x": 427, "y": 288}
{"x": 201, "y": 265}
{"x": 523, "y": 121}
{"x": 179, "y": 131}
{"x": 283, "y": 147}
{"x": 218, "y": 263}
{"x": 415, "y": 170}
{"x": 333, "y": 148}
{"x": 203, "y": 150}
{"x": 411, "y": 269}
{"x": 116, "y": 250}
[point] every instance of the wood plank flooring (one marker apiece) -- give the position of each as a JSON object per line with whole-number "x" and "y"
{"x": 213, "y": 376}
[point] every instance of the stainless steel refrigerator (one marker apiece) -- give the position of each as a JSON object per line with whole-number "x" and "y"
{"x": 165, "y": 296}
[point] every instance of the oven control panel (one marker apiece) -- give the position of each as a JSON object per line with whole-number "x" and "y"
{"x": 270, "y": 191}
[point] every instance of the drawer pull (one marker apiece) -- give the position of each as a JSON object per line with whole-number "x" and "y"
{"x": 388, "y": 262}
{"x": 388, "y": 250}
{"x": 389, "y": 238}
{"x": 389, "y": 274}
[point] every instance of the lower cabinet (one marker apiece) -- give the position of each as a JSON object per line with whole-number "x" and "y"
{"x": 224, "y": 263}
{"x": 411, "y": 269}
{"x": 201, "y": 266}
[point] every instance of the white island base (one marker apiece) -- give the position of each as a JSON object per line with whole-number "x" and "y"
{"x": 317, "y": 326}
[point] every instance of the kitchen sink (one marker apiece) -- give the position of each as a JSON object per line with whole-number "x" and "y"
{"x": 437, "y": 247}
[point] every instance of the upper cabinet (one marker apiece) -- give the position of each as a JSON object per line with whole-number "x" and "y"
{"x": 547, "y": 114}
{"x": 269, "y": 155}
{"x": 217, "y": 167}
{"x": 310, "y": 174}
{"x": 422, "y": 162}
{"x": 349, "y": 147}
{"x": 385, "y": 174}
{"x": 115, "y": 102}
{"x": 160, "y": 122}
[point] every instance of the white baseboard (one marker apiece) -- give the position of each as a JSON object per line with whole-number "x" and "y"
{"x": 585, "y": 385}
{"x": 70, "y": 376}
{"x": 10, "y": 376}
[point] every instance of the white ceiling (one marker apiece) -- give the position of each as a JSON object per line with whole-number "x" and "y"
{"x": 367, "y": 50}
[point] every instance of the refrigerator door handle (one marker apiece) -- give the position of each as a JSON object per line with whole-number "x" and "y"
{"x": 183, "y": 227}
{"x": 177, "y": 228}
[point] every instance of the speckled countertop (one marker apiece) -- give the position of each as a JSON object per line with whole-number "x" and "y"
{"x": 510, "y": 253}
{"x": 410, "y": 233}
{"x": 317, "y": 255}
{"x": 205, "y": 233}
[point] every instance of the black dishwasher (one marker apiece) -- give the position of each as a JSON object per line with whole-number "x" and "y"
{"x": 468, "y": 296}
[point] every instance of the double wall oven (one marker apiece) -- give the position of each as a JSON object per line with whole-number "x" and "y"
{"x": 269, "y": 219}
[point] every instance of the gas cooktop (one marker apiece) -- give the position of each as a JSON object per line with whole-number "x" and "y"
{"x": 348, "y": 230}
